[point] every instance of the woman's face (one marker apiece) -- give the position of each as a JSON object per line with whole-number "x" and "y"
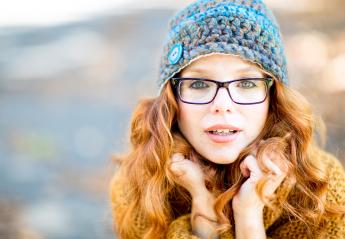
{"x": 221, "y": 129}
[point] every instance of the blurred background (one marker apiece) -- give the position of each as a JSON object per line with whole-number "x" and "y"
{"x": 71, "y": 72}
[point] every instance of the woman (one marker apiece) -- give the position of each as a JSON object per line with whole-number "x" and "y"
{"x": 226, "y": 150}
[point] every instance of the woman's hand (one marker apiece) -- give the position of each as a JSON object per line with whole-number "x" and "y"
{"x": 247, "y": 205}
{"x": 188, "y": 174}
{"x": 247, "y": 197}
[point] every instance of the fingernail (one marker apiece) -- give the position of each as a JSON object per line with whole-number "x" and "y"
{"x": 177, "y": 157}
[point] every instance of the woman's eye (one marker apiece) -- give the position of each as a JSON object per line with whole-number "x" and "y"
{"x": 247, "y": 84}
{"x": 198, "y": 85}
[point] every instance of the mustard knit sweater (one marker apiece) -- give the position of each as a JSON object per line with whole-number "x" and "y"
{"x": 276, "y": 224}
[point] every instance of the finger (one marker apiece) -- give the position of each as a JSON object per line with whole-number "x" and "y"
{"x": 276, "y": 165}
{"x": 177, "y": 169}
{"x": 244, "y": 170}
{"x": 272, "y": 167}
{"x": 177, "y": 157}
{"x": 257, "y": 145}
{"x": 272, "y": 185}
{"x": 250, "y": 163}
{"x": 175, "y": 165}
{"x": 276, "y": 176}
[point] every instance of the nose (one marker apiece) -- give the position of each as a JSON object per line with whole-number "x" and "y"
{"x": 222, "y": 103}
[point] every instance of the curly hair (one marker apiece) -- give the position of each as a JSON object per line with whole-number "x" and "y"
{"x": 155, "y": 136}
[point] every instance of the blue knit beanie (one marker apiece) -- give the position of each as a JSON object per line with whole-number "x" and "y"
{"x": 246, "y": 28}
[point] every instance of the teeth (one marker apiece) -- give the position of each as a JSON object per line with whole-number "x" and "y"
{"x": 223, "y": 131}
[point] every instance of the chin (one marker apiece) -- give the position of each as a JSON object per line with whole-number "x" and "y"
{"x": 223, "y": 159}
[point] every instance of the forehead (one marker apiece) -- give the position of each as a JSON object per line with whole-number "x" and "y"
{"x": 221, "y": 62}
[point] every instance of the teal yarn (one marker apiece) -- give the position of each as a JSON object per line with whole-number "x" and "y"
{"x": 246, "y": 28}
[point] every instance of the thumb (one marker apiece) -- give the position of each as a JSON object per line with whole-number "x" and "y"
{"x": 250, "y": 168}
{"x": 177, "y": 157}
{"x": 176, "y": 165}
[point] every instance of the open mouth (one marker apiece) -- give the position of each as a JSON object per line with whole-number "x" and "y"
{"x": 223, "y": 132}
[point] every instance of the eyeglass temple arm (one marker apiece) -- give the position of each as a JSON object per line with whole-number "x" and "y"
{"x": 174, "y": 81}
{"x": 270, "y": 82}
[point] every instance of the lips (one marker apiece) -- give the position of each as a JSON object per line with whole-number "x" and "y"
{"x": 222, "y": 127}
{"x": 222, "y": 133}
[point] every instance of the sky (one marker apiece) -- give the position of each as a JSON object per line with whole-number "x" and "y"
{"x": 52, "y": 12}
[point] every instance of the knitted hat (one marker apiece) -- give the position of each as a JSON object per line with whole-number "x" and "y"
{"x": 246, "y": 28}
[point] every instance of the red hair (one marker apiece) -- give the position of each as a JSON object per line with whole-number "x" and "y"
{"x": 155, "y": 137}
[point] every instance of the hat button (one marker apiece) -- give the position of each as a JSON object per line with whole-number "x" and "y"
{"x": 175, "y": 53}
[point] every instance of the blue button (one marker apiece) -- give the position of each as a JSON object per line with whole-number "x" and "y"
{"x": 175, "y": 53}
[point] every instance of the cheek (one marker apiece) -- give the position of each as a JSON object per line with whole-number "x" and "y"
{"x": 256, "y": 118}
{"x": 188, "y": 118}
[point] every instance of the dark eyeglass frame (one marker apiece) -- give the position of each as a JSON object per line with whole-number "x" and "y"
{"x": 176, "y": 81}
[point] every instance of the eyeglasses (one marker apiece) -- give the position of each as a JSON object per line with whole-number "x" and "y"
{"x": 246, "y": 91}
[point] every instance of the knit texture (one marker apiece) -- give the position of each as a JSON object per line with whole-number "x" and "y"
{"x": 276, "y": 223}
{"x": 246, "y": 28}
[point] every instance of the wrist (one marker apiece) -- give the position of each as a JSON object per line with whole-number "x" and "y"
{"x": 249, "y": 224}
{"x": 249, "y": 214}
{"x": 250, "y": 220}
{"x": 203, "y": 204}
{"x": 255, "y": 210}
{"x": 201, "y": 194}
{"x": 203, "y": 216}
